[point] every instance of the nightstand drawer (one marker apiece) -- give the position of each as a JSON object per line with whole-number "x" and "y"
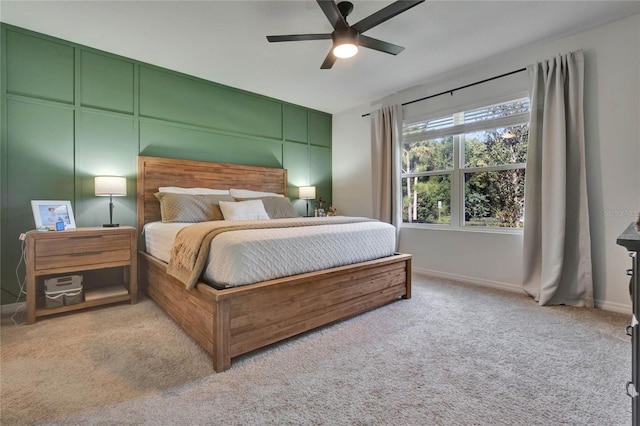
{"x": 81, "y": 259}
{"x": 81, "y": 244}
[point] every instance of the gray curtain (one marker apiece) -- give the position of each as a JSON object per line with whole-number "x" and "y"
{"x": 386, "y": 139}
{"x": 557, "y": 242}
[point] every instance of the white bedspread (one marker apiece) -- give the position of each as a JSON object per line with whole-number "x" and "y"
{"x": 254, "y": 255}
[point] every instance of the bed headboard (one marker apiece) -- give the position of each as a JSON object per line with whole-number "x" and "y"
{"x": 154, "y": 172}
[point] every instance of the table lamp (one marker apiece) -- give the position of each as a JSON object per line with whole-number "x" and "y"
{"x": 307, "y": 193}
{"x": 113, "y": 186}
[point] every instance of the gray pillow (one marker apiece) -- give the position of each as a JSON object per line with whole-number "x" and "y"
{"x": 276, "y": 207}
{"x": 190, "y": 208}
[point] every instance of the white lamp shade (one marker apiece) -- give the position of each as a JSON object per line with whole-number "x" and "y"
{"x": 111, "y": 185}
{"x": 345, "y": 50}
{"x": 307, "y": 192}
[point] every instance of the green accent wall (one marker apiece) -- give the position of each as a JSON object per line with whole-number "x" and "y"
{"x": 70, "y": 112}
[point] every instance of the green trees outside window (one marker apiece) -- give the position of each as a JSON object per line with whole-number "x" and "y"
{"x": 467, "y": 169}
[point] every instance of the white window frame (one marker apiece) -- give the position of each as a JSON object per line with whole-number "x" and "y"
{"x": 456, "y": 175}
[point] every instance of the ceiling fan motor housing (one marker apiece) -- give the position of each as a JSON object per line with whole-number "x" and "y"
{"x": 348, "y": 35}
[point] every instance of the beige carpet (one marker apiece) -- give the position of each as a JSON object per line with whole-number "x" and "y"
{"x": 452, "y": 355}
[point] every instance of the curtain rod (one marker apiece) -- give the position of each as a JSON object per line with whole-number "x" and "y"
{"x": 460, "y": 88}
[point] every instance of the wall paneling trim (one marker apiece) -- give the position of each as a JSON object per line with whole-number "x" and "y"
{"x": 70, "y": 112}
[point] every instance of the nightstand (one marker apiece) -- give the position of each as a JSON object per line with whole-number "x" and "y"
{"x": 96, "y": 252}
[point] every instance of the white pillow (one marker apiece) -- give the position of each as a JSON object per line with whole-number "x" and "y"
{"x": 243, "y": 210}
{"x": 193, "y": 191}
{"x": 247, "y": 193}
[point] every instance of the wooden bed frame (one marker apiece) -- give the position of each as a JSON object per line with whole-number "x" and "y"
{"x": 231, "y": 322}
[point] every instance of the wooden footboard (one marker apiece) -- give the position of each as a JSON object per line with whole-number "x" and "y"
{"x": 231, "y": 322}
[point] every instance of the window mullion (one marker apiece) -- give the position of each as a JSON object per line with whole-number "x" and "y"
{"x": 429, "y": 173}
{"x": 457, "y": 191}
{"x": 501, "y": 167}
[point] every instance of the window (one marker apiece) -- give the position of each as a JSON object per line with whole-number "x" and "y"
{"x": 467, "y": 168}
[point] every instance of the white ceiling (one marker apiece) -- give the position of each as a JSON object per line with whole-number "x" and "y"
{"x": 224, "y": 41}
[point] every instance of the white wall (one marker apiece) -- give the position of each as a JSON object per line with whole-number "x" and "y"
{"x": 612, "y": 126}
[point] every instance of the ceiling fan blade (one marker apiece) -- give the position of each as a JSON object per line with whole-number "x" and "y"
{"x": 328, "y": 61}
{"x": 298, "y": 37}
{"x": 382, "y": 46}
{"x": 333, "y": 14}
{"x": 384, "y": 14}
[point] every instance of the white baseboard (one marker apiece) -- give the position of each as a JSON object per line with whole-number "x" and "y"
{"x": 469, "y": 280}
{"x": 12, "y": 308}
{"x": 614, "y": 307}
{"x": 600, "y": 304}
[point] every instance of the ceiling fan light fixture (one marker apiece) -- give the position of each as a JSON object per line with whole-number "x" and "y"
{"x": 348, "y": 38}
{"x": 345, "y": 43}
{"x": 345, "y": 50}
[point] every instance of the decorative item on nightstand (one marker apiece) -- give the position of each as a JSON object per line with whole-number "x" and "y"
{"x": 320, "y": 210}
{"x": 111, "y": 186}
{"x": 52, "y": 215}
{"x": 307, "y": 193}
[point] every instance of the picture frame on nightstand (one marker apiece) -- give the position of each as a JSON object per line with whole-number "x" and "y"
{"x": 53, "y": 215}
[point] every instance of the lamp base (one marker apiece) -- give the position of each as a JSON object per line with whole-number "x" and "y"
{"x": 110, "y": 225}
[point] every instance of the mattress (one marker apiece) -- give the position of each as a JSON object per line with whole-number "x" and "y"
{"x": 253, "y": 255}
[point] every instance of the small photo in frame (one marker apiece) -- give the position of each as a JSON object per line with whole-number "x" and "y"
{"x": 53, "y": 215}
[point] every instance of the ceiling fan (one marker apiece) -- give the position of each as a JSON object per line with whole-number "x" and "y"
{"x": 346, "y": 38}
